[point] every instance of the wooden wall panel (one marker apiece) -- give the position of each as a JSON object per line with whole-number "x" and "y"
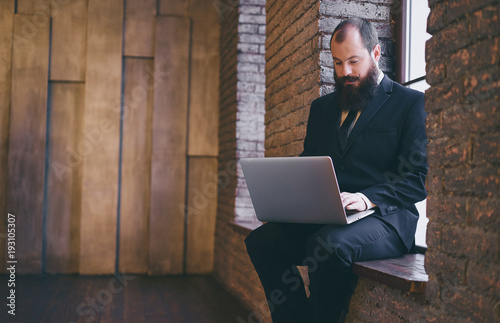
{"x": 168, "y": 170}
{"x": 26, "y": 166}
{"x": 202, "y": 211}
{"x": 139, "y": 28}
{"x": 28, "y": 7}
{"x": 6, "y": 28}
{"x": 64, "y": 178}
{"x": 136, "y": 165}
{"x": 173, "y": 7}
{"x": 69, "y": 32}
{"x": 204, "y": 99}
{"x": 101, "y": 131}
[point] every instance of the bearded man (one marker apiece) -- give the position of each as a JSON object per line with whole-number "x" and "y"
{"x": 374, "y": 131}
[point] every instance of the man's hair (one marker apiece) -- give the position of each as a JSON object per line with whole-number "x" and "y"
{"x": 368, "y": 33}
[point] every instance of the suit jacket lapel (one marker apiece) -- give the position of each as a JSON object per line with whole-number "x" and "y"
{"x": 334, "y": 120}
{"x": 369, "y": 111}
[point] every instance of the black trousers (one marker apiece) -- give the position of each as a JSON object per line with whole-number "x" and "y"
{"x": 329, "y": 252}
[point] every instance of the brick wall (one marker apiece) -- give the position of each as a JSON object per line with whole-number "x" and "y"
{"x": 241, "y": 134}
{"x": 250, "y": 95}
{"x": 463, "y": 234}
{"x": 292, "y": 73}
{"x": 298, "y": 69}
{"x": 463, "y": 128}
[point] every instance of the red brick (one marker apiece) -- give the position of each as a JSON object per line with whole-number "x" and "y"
{"x": 476, "y": 57}
{"x": 470, "y": 242}
{"x": 486, "y": 148}
{"x": 435, "y": 72}
{"x": 435, "y": 21}
{"x": 484, "y": 277}
{"x": 482, "y": 20}
{"x": 432, "y": 290}
{"x": 462, "y": 304}
{"x": 484, "y": 212}
{"x": 469, "y": 118}
{"x": 481, "y": 180}
{"x": 448, "y": 209}
{"x": 457, "y": 9}
{"x": 481, "y": 87}
{"x": 434, "y": 232}
{"x": 443, "y": 96}
{"x": 434, "y": 179}
{"x": 451, "y": 270}
{"x": 433, "y": 124}
{"x": 448, "y": 151}
{"x": 449, "y": 39}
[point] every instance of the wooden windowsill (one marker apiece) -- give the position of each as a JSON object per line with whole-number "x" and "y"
{"x": 406, "y": 273}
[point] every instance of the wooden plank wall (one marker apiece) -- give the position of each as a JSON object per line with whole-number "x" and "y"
{"x": 64, "y": 178}
{"x": 203, "y": 139}
{"x": 68, "y": 46}
{"x": 6, "y": 29}
{"x": 168, "y": 167}
{"x": 109, "y": 142}
{"x": 136, "y": 165}
{"x": 103, "y": 77}
{"x": 27, "y": 138}
{"x": 137, "y": 122}
{"x": 66, "y": 104}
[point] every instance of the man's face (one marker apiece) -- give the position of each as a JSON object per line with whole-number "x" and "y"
{"x": 352, "y": 61}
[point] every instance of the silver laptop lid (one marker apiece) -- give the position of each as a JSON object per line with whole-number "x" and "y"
{"x": 295, "y": 189}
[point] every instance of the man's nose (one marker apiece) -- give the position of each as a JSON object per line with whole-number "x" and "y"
{"x": 346, "y": 70}
{"x": 343, "y": 70}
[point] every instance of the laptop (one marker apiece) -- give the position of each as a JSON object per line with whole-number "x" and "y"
{"x": 296, "y": 190}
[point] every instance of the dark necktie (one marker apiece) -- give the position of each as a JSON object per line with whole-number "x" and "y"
{"x": 346, "y": 127}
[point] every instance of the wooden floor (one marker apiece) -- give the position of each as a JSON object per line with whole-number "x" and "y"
{"x": 130, "y": 298}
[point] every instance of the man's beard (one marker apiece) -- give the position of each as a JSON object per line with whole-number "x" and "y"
{"x": 357, "y": 97}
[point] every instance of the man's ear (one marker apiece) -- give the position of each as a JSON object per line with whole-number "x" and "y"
{"x": 376, "y": 53}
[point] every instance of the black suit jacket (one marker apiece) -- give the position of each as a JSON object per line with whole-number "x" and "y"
{"x": 385, "y": 156}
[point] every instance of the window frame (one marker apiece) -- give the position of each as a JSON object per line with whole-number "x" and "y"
{"x": 402, "y": 70}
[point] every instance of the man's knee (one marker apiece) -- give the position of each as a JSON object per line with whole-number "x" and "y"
{"x": 329, "y": 250}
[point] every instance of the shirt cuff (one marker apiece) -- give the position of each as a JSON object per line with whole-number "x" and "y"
{"x": 368, "y": 203}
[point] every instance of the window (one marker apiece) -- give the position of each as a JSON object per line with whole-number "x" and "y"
{"x": 411, "y": 70}
{"x": 413, "y": 25}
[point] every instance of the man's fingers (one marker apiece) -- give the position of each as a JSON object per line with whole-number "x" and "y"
{"x": 352, "y": 201}
{"x": 355, "y": 205}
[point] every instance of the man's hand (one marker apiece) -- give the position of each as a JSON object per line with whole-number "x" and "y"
{"x": 353, "y": 201}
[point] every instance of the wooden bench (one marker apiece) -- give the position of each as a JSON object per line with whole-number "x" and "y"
{"x": 405, "y": 273}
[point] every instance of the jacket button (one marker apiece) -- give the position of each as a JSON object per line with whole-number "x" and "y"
{"x": 391, "y": 208}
